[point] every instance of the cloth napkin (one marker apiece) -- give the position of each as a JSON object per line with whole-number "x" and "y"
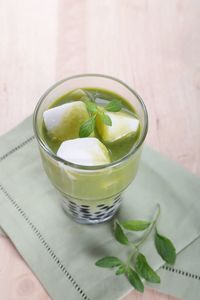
{"x": 62, "y": 253}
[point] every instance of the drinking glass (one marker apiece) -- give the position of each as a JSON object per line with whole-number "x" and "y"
{"x": 91, "y": 194}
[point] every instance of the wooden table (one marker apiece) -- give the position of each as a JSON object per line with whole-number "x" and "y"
{"x": 152, "y": 45}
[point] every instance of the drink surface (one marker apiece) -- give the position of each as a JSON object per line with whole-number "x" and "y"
{"x": 117, "y": 149}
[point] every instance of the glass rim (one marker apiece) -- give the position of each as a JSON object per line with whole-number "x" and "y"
{"x": 85, "y": 167}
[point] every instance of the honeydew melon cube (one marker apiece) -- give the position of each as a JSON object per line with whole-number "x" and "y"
{"x": 63, "y": 122}
{"x": 123, "y": 124}
{"x": 84, "y": 151}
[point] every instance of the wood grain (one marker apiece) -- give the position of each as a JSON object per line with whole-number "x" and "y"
{"x": 16, "y": 279}
{"x": 28, "y": 31}
{"x": 154, "y": 46}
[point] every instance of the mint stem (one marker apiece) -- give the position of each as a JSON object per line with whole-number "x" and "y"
{"x": 133, "y": 253}
{"x": 149, "y": 230}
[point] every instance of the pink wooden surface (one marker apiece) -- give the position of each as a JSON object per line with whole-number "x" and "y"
{"x": 154, "y": 46}
{"x": 16, "y": 279}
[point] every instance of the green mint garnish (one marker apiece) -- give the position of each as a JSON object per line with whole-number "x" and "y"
{"x": 108, "y": 262}
{"x": 165, "y": 248}
{"x": 135, "y": 280}
{"x": 105, "y": 119}
{"x": 144, "y": 270}
{"x": 120, "y": 235}
{"x": 87, "y": 127}
{"x": 135, "y": 225}
{"x": 114, "y": 106}
{"x": 136, "y": 265}
{"x": 121, "y": 270}
{"x": 94, "y": 111}
{"x": 91, "y": 107}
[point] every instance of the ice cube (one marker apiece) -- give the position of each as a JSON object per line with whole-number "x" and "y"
{"x": 122, "y": 125}
{"x": 84, "y": 151}
{"x": 63, "y": 122}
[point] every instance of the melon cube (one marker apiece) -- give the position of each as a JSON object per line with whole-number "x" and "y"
{"x": 123, "y": 124}
{"x": 84, "y": 151}
{"x": 63, "y": 122}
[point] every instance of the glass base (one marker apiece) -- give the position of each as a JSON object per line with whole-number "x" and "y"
{"x": 91, "y": 212}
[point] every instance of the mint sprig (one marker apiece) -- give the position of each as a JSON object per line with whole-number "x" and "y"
{"x": 137, "y": 266}
{"x": 87, "y": 127}
{"x": 95, "y": 111}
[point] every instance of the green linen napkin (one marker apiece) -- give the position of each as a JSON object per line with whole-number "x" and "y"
{"x": 62, "y": 253}
{"x": 183, "y": 279}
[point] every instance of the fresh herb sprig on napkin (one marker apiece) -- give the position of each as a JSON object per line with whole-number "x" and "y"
{"x": 136, "y": 265}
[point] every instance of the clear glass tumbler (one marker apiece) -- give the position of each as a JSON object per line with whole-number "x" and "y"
{"x": 92, "y": 194}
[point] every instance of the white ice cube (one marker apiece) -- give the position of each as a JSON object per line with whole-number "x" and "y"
{"x": 84, "y": 151}
{"x": 64, "y": 121}
{"x": 122, "y": 125}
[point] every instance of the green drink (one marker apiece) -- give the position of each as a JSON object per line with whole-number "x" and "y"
{"x": 90, "y": 170}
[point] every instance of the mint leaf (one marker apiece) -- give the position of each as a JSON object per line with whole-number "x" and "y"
{"x": 87, "y": 127}
{"x": 120, "y": 235}
{"x": 135, "y": 225}
{"x": 121, "y": 270}
{"x": 165, "y": 248}
{"x": 135, "y": 280}
{"x": 105, "y": 119}
{"x": 144, "y": 269}
{"x": 108, "y": 262}
{"x": 91, "y": 106}
{"x": 114, "y": 105}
